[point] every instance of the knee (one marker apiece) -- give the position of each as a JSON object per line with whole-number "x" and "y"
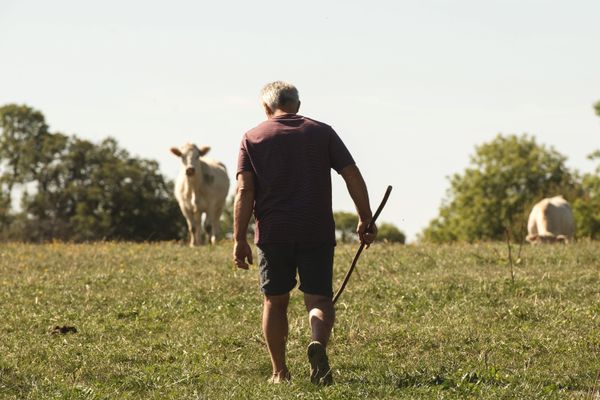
{"x": 277, "y": 301}
{"x": 319, "y": 302}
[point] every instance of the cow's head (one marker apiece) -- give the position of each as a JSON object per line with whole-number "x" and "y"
{"x": 190, "y": 155}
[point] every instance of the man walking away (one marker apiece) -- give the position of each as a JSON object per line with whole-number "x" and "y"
{"x": 284, "y": 177}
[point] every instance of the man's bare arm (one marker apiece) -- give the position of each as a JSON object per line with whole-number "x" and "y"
{"x": 360, "y": 196}
{"x": 242, "y": 211}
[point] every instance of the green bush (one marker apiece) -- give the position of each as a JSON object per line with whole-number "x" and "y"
{"x": 390, "y": 233}
{"x": 496, "y": 192}
{"x": 73, "y": 189}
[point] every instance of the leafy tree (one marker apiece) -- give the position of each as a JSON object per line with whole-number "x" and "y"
{"x": 227, "y": 220}
{"x": 78, "y": 190}
{"x": 100, "y": 192}
{"x": 496, "y": 192}
{"x": 587, "y": 207}
{"x": 346, "y": 223}
{"x": 5, "y": 214}
{"x": 227, "y": 217}
{"x": 390, "y": 233}
{"x": 22, "y": 133}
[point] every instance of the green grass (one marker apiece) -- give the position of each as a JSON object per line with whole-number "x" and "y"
{"x": 162, "y": 321}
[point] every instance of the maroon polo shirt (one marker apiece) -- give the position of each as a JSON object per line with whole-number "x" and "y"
{"x": 291, "y": 157}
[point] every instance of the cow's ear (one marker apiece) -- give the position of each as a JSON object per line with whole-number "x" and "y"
{"x": 204, "y": 150}
{"x": 176, "y": 151}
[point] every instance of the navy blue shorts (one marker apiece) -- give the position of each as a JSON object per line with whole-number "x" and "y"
{"x": 279, "y": 262}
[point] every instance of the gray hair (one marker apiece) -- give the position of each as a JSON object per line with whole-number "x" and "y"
{"x": 278, "y": 95}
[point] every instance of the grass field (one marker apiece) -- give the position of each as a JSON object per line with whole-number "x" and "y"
{"x": 162, "y": 321}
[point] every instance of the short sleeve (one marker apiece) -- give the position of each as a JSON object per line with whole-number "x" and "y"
{"x": 339, "y": 155}
{"x": 244, "y": 163}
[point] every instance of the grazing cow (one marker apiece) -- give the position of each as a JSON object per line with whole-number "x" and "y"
{"x": 201, "y": 188}
{"x": 551, "y": 220}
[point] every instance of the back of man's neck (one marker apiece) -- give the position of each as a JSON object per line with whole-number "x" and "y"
{"x": 279, "y": 112}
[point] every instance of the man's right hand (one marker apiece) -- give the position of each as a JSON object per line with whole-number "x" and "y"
{"x": 242, "y": 254}
{"x": 358, "y": 191}
{"x": 366, "y": 237}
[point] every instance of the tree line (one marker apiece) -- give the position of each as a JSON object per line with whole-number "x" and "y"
{"x": 59, "y": 187}
{"x": 505, "y": 178}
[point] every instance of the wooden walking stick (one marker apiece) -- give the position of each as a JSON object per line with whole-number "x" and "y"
{"x": 362, "y": 245}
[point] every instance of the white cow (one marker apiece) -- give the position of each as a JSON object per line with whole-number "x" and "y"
{"x": 201, "y": 188}
{"x": 551, "y": 220}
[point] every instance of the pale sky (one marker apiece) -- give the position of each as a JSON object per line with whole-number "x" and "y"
{"x": 411, "y": 87}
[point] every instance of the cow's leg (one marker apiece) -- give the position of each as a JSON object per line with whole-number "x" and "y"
{"x": 209, "y": 228}
{"x": 203, "y": 230}
{"x": 216, "y": 230}
{"x": 189, "y": 219}
{"x": 217, "y": 224}
{"x": 192, "y": 232}
{"x": 212, "y": 224}
{"x": 197, "y": 238}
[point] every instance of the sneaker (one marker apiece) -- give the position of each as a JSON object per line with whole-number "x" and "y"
{"x": 320, "y": 373}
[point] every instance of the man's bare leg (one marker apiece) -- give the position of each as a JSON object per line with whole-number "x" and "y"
{"x": 275, "y": 329}
{"x": 321, "y": 316}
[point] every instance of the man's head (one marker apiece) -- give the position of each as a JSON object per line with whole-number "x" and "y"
{"x": 280, "y": 98}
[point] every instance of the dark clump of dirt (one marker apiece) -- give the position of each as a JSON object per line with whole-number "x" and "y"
{"x": 63, "y": 330}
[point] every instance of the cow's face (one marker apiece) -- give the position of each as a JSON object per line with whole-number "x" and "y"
{"x": 190, "y": 155}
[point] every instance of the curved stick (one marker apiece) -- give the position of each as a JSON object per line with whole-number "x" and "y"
{"x": 362, "y": 245}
